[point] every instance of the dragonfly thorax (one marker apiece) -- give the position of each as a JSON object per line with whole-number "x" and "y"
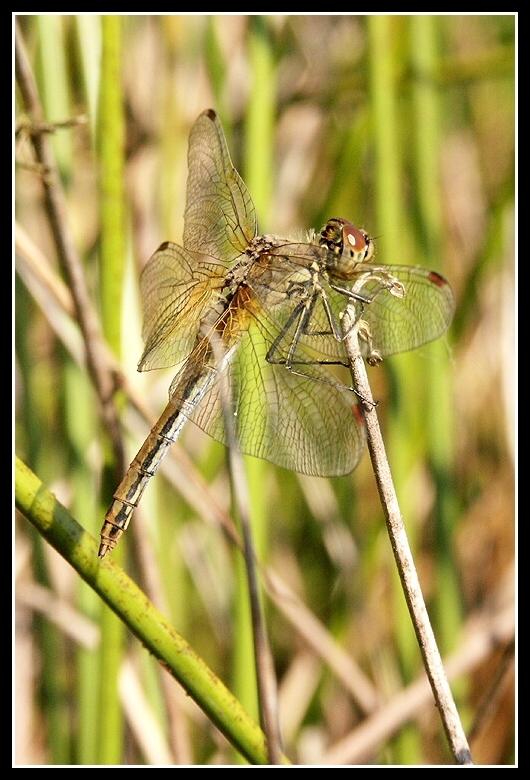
{"x": 239, "y": 272}
{"x": 348, "y": 245}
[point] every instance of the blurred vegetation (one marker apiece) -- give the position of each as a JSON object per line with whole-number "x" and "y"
{"x": 406, "y": 126}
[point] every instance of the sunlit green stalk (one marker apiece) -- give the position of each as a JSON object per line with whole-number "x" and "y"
{"x": 392, "y": 225}
{"x": 428, "y": 113}
{"x": 60, "y": 529}
{"x": 54, "y": 83}
{"x": 111, "y": 145}
{"x": 258, "y": 157}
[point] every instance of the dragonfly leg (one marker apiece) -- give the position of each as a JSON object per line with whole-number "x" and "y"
{"x": 385, "y": 281}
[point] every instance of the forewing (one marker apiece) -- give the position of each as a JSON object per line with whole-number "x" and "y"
{"x": 177, "y": 287}
{"x": 220, "y": 218}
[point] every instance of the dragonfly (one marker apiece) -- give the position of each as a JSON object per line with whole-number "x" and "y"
{"x": 264, "y": 313}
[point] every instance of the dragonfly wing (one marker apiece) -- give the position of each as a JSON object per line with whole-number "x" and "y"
{"x": 220, "y": 218}
{"x": 178, "y": 287}
{"x": 399, "y": 324}
{"x": 305, "y": 423}
{"x": 286, "y": 275}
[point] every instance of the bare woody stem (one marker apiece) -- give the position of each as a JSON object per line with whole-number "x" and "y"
{"x": 402, "y": 552}
{"x": 98, "y": 366}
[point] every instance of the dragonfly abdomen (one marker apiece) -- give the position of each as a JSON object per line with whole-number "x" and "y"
{"x": 144, "y": 465}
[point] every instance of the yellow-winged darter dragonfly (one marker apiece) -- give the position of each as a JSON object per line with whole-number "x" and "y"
{"x": 266, "y": 312}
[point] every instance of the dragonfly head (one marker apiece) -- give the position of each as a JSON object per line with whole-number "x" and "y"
{"x": 348, "y": 244}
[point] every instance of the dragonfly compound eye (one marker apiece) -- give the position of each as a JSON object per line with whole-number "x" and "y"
{"x": 357, "y": 243}
{"x": 342, "y": 238}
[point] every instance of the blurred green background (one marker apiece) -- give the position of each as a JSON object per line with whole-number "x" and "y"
{"x": 406, "y": 126}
